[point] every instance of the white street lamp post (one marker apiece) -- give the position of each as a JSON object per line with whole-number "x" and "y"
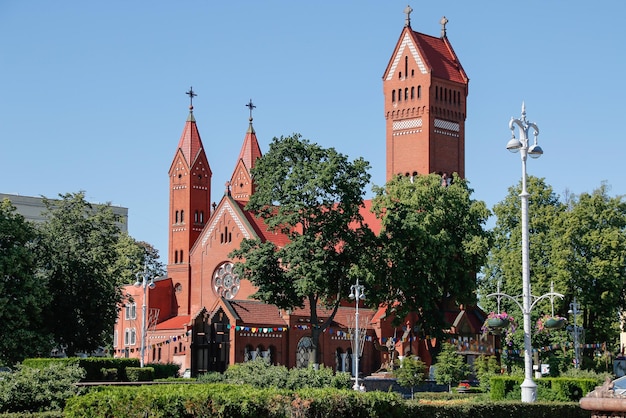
{"x": 529, "y": 387}
{"x": 357, "y": 292}
{"x": 143, "y": 281}
{"x": 574, "y": 309}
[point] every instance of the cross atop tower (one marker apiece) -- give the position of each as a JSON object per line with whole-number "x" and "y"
{"x": 191, "y": 95}
{"x": 250, "y": 106}
{"x": 443, "y": 22}
{"x": 408, "y": 11}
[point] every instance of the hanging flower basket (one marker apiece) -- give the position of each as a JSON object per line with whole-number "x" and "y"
{"x": 548, "y": 323}
{"x": 499, "y": 324}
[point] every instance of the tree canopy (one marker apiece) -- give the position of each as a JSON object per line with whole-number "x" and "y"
{"x": 578, "y": 245}
{"x": 432, "y": 244}
{"x": 85, "y": 260}
{"x": 313, "y": 195}
{"x": 23, "y": 293}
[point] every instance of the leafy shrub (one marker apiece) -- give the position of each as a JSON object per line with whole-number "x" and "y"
{"x": 560, "y": 389}
{"x": 485, "y": 368}
{"x": 165, "y": 370}
{"x": 259, "y": 373}
{"x": 341, "y": 380}
{"x": 140, "y": 374}
{"x": 109, "y": 374}
{"x": 211, "y": 377}
{"x": 93, "y": 365}
{"x": 309, "y": 377}
{"x": 35, "y": 390}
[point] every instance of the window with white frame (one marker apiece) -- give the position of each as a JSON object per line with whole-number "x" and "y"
{"x": 130, "y": 336}
{"x": 131, "y": 310}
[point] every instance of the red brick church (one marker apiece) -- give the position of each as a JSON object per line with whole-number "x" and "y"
{"x": 201, "y": 315}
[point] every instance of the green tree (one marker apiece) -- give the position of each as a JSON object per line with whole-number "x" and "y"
{"x": 80, "y": 264}
{"x": 484, "y": 368}
{"x": 313, "y": 195}
{"x": 450, "y": 366}
{"x": 504, "y": 263}
{"x": 136, "y": 257}
{"x": 409, "y": 372}
{"x": 23, "y": 294}
{"x": 432, "y": 244}
{"x": 590, "y": 256}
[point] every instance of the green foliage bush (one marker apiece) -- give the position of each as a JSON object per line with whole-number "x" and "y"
{"x": 212, "y": 377}
{"x": 109, "y": 374}
{"x": 243, "y": 401}
{"x": 140, "y": 374}
{"x": 34, "y": 389}
{"x": 560, "y": 389}
{"x": 259, "y": 373}
{"x": 93, "y": 366}
{"x": 165, "y": 370}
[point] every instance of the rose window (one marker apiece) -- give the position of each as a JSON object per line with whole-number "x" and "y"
{"x": 225, "y": 281}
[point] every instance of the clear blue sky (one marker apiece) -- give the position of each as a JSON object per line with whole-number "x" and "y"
{"x": 92, "y": 92}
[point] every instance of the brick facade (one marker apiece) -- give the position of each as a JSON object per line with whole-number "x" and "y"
{"x": 205, "y": 319}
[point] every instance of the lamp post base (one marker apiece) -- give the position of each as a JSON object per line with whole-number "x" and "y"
{"x": 529, "y": 391}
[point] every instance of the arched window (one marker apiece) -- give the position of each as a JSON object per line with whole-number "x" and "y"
{"x": 182, "y": 216}
{"x": 399, "y": 95}
{"x": 406, "y": 93}
{"x": 303, "y": 353}
{"x": 130, "y": 336}
{"x": 131, "y": 310}
{"x": 393, "y": 95}
{"x": 195, "y": 216}
{"x": 176, "y": 219}
{"x": 201, "y": 216}
{"x": 247, "y": 353}
{"x": 176, "y": 257}
{"x": 412, "y": 93}
{"x": 419, "y": 92}
{"x": 181, "y": 256}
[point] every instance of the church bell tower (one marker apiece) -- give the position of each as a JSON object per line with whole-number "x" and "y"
{"x": 425, "y": 89}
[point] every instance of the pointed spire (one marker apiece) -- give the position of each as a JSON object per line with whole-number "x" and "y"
{"x": 190, "y": 143}
{"x": 250, "y": 150}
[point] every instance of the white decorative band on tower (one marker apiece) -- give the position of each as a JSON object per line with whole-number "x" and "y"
{"x": 444, "y": 124}
{"x": 408, "y": 124}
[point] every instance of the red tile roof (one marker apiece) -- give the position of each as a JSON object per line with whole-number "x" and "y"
{"x": 440, "y": 57}
{"x": 190, "y": 143}
{"x": 260, "y": 228}
{"x": 252, "y": 312}
{"x": 344, "y": 318}
{"x": 177, "y": 322}
{"x": 250, "y": 150}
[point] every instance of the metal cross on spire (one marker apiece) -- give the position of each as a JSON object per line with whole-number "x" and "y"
{"x": 250, "y": 106}
{"x": 408, "y": 11}
{"x": 443, "y": 23}
{"x": 191, "y": 95}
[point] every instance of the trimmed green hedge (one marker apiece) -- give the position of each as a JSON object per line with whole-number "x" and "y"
{"x": 93, "y": 365}
{"x": 243, "y": 401}
{"x": 139, "y": 374}
{"x": 560, "y": 389}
